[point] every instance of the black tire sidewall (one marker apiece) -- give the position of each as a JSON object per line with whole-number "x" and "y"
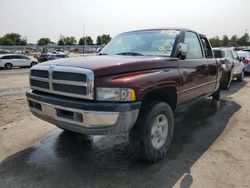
{"x": 8, "y": 64}
{"x": 241, "y": 77}
{"x": 160, "y": 108}
{"x": 33, "y": 64}
{"x": 140, "y": 134}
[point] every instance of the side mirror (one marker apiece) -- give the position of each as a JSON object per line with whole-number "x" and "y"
{"x": 182, "y": 50}
{"x": 98, "y": 49}
{"x": 241, "y": 59}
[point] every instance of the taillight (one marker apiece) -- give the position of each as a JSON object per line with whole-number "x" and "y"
{"x": 245, "y": 61}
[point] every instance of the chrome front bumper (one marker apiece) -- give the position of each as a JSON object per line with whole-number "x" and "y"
{"x": 93, "y": 122}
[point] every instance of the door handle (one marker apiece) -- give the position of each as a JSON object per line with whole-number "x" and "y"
{"x": 205, "y": 67}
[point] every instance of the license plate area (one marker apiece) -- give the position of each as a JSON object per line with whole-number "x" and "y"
{"x": 69, "y": 115}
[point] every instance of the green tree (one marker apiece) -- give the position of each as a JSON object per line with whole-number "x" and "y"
{"x": 244, "y": 40}
{"x": 69, "y": 40}
{"x": 85, "y": 40}
{"x": 43, "y": 41}
{"x": 13, "y": 39}
{"x": 234, "y": 39}
{"x": 225, "y": 40}
{"x": 61, "y": 42}
{"x": 215, "y": 41}
{"x": 103, "y": 39}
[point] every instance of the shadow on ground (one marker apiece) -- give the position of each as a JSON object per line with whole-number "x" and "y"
{"x": 71, "y": 160}
{"x": 235, "y": 87}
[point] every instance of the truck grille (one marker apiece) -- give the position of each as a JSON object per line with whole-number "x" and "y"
{"x": 66, "y": 81}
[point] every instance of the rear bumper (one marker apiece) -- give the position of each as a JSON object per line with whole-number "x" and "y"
{"x": 87, "y": 117}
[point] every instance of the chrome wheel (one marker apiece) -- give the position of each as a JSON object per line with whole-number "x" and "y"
{"x": 159, "y": 131}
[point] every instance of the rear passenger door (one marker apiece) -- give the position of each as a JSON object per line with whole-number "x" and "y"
{"x": 22, "y": 61}
{"x": 194, "y": 70}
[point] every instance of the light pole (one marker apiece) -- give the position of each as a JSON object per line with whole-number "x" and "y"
{"x": 83, "y": 39}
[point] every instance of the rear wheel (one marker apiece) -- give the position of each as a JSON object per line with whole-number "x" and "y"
{"x": 33, "y": 64}
{"x": 8, "y": 66}
{"x": 151, "y": 136}
{"x": 241, "y": 77}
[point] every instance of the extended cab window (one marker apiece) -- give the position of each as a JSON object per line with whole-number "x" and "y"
{"x": 193, "y": 46}
{"x": 206, "y": 47}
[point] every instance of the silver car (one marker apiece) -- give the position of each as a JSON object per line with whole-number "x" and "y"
{"x": 245, "y": 57}
{"x": 231, "y": 66}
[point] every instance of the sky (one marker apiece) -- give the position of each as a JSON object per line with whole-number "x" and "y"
{"x": 35, "y": 19}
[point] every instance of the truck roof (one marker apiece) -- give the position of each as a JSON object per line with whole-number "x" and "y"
{"x": 166, "y": 28}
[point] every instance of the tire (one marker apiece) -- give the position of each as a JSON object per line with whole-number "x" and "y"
{"x": 33, "y": 64}
{"x": 241, "y": 77}
{"x": 216, "y": 95}
{"x": 8, "y": 66}
{"x": 226, "y": 82}
{"x": 152, "y": 134}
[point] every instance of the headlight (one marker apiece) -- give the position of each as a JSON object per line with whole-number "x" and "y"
{"x": 115, "y": 94}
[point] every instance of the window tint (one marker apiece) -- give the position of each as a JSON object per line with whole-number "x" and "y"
{"x": 207, "y": 48}
{"x": 61, "y": 56}
{"x": 193, "y": 46}
{"x": 22, "y": 57}
{"x": 14, "y": 57}
{"x": 5, "y": 57}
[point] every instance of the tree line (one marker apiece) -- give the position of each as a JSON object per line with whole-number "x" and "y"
{"x": 17, "y": 39}
{"x": 233, "y": 41}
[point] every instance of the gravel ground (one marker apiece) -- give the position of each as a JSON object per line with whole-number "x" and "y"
{"x": 211, "y": 147}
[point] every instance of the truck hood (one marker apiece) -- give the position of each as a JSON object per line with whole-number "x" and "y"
{"x": 107, "y": 65}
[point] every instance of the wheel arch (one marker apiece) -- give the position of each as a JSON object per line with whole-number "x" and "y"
{"x": 167, "y": 94}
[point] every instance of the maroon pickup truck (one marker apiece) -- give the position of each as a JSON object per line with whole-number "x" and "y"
{"x": 133, "y": 85}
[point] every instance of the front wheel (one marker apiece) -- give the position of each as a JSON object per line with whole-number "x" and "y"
{"x": 216, "y": 95}
{"x": 151, "y": 136}
{"x": 8, "y": 66}
{"x": 226, "y": 81}
{"x": 241, "y": 77}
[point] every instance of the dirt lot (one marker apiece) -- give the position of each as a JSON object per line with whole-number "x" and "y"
{"x": 211, "y": 147}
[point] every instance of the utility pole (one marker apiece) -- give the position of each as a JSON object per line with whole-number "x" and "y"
{"x": 83, "y": 39}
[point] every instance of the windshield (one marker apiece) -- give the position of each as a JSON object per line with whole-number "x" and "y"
{"x": 147, "y": 43}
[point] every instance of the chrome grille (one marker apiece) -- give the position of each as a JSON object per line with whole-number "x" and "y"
{"x": 61, "y": 80}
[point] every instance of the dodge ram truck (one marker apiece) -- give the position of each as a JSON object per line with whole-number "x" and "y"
{"x": 133, "y": 85}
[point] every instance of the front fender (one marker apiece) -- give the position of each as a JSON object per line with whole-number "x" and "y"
{"x": 142, "y": 82}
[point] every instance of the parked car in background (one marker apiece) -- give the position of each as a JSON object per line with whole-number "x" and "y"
{"x": 2, "y": 51}
{"x": 231, "y": 66}
{"x": 50, "y": 56}
{"x": 8, "y": 61}
{"x": 245, "y": 58}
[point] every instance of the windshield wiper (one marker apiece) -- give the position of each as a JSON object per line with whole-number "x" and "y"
{"x": 130, "y": 53}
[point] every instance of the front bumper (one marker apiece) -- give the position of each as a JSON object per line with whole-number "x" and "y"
{"x": 87, "y": 117}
